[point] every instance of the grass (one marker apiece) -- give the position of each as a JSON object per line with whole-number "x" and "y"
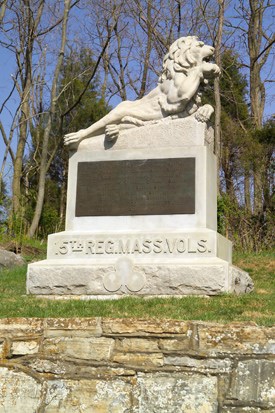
{"x": 258, "y": 306}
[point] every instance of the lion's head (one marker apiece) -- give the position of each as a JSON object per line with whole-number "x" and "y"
{"x": 184, "y": 54}
{"x": 184, "y": 69}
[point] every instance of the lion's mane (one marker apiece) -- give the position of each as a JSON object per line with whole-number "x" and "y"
{"x": 179, "y": 58}
{"x": 177, "y": 62}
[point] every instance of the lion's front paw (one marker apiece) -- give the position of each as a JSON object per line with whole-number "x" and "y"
{"x": 210, "y": 69}
{"x": 71, "y": 140}
{"x": 204, "y": 113}
{"x": 111, "y": 132}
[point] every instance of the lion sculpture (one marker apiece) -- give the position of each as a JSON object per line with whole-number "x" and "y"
{"x": 178, "y": 93}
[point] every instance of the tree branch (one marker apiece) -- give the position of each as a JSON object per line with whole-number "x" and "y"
{"x": 78, "y": 100}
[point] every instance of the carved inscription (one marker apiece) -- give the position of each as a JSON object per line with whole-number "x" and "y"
{"x": 134, "y": 246}
{"x": 136, "y": 187}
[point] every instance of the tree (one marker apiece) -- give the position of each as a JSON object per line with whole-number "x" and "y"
{"x": 48, "y": 123}
{"x": 257, "y": 31}
{"x": 74, "y": 75}
{"x": 26, "y": 27}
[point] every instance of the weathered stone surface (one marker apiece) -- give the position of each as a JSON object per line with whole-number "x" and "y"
{"x": 2, "y": 348}
{"x": 247, "y": 409}
{"x": 83, "y": 279}
{"x": 233, "y": 338}
{"x": 172, "y": 393}
{"x": 70, "y": 279}
{"x": 20, "y": 327}
{"x": 10, "y": 259}
{"x": 137, "y": 345}
{"x": 139, "y": 327}
{"x": 242, "y": 282}
{"x": 80, "y": 348}
{"x": 85, "y": 396}
{"x": 186, "y": 279}
{"x": 67, "y": 327}
{"x": 176, "y": 344}
{"x": 254, "y": 381}
{"x": 135, "y": 365}
{"x": 139, "y": 359}
{"x": 75, "y": 370}
{"x": 203, "y": 365}
{"x": 21, "y": 348}
{"x": 19, "y": 393}
{"x": 168, "y": 133}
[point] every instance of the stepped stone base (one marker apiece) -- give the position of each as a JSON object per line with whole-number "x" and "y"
{"x": 210, "y": 276}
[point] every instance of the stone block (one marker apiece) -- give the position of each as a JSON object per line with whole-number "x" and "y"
{"x": 2, "y": 344}
{"x": 219, "y": 366}
{"x": 19, "y": 393}
{"x": 144, "y": 327}
{"x": 75, "y": 369}
{"x": 72, "y": 370}
{"x": 72, "y": 396}
{"x": 217, "y": 339}
{"x": 72, "y": 327}
{"x": 176, "y": 344}
{"x": 97, "y": 349}
{"x": 22, "y": 348}
{"x": 139, "y": 345}
{"x": 144, "y": 360}
{"x": 21, "y": 327}
{"x": 245, "y": 409}
{"x": 174, "y": 392}
{"x": 206, "y": 207}
{"x": 254, "y": 381}
{"x": 81, "y": 278}
{"x": 168, "y": 133}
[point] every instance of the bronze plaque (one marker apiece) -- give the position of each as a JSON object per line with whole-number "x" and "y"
{"x": 136, "y": 187}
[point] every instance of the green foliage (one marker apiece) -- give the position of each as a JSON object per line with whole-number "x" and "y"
{"x": 266, "y": 135}
{"x": 233, "y": 86}
{"x": 49, "y": 220}
{"x": 248, "y": 232}
{"x": 221, "y": 215}
{"x": 245, "y": 153}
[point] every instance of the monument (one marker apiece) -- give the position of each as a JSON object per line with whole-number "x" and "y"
{"x": 141, "y": 206}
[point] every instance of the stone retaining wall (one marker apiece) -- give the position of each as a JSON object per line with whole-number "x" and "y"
{"x": 99, "y": 365}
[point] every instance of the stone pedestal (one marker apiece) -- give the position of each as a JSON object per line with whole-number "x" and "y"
{"x": 141, "y": 219}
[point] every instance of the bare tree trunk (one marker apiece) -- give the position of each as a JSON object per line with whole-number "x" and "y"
{"x": 44, "y": 155}
{"x": 247, "y": 194}
{"x": 18, "y": 162}
{"x": 3, "y": 10}
{"x": 63, "y": 192}
{"x": 258, "y": 57}
{"x": 148, "y": 52}
{"x": 29, "y": 26}
{"x": 218, "y": 108}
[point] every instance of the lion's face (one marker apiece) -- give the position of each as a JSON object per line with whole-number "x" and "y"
{"x": 185, "y": 53}
{"x": 200, "y": 51}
